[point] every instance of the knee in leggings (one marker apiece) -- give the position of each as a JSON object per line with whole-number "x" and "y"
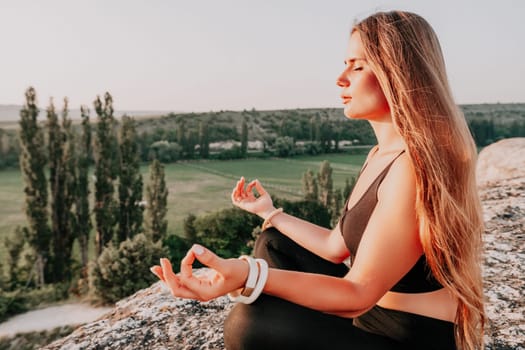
{"x": 260, "y": 249}
{"x": 240, "y": 329}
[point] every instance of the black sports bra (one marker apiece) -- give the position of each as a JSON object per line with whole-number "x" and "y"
{"x": 353, "y": 223}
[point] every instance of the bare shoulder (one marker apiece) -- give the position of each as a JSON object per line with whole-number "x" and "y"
{"x": 400, "y": 182}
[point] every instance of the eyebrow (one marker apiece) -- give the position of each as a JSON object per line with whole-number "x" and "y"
{"x": 352, "y": 60}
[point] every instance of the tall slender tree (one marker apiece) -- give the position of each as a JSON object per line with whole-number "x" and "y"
{"x": 130, "y": 183}
{"x": 244, "y": 138}
{"x": 310, "y": 187}
{"x": 326, "y": 187}
{"x": 83, "y": 214}
{"x": 204, "y": 140}
{"x": 33, "y": 162}
{"x": 106, "y": 161}
{"x": 157, "y": 203}
{"x": 62, "y": 184}
{"x": 3, "y": 148}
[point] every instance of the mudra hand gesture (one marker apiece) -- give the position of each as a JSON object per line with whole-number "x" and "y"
{"x": 227, "y": 275}
{"x": 243, "y": 196}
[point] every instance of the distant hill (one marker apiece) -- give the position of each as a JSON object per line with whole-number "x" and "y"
{"x": 10, "y": 113}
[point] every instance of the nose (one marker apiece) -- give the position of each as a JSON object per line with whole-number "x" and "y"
{"x": 342, "y": 80}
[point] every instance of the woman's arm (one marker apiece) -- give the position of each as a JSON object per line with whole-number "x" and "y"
{"x": 328, "y": 244}
{"x": 389, "y": 248}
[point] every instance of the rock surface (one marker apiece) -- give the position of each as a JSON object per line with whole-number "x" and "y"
{"x": 152, "y": 319}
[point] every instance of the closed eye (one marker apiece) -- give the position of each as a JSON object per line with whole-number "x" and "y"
{"x": 357, "y": 69}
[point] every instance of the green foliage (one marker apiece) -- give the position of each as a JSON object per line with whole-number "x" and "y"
{"x": 177, "y": 249}
{"x": 34, "y": 340}
{"x": 21, "y": 300}
{"x": 226, "y": 232}
{"x": 310, "y": 187}
{"x": 14, "y": 244}
{"x": 11, "y": 303}
{"x": 62, "y": 182}
{"x": 157, "y": 201}
{"x": 312, "y": 211}
{"x": 83, "y": 215}
{"x": 244, "y": 137}
{"x": 349, "y": 186}
{"x": 165, "y": 151}
{"x": 284, "y": 146}
{"x": 118, "y": 273}
{"x": 204, "y": 140}
{"x": 325, "y": 183}
{"x": 130, "y": 183}
{"x": 33, "y": 163}
{"x": 106, "y": 161}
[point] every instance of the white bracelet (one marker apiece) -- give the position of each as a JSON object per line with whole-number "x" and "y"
{"x": 252, "y": 275}
{"x": 261, "y": 281}
{"x": 251, "y": 281}
{"x": 267, "y": 222}
{"x": 262, "y": 277}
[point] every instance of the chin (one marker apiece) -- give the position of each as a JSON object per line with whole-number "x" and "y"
{"x": 351, "y": 115}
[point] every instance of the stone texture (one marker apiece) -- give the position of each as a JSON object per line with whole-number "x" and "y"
{"x": 152, "y": 319}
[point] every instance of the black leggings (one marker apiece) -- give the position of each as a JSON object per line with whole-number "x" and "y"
{"x": 271, "y": 323}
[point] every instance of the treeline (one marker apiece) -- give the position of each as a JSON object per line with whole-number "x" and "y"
{"x": 233, "y": 135}
{"x": 59, "y": 163}
{"x": 55, "y": 161}
{"x": 284, "y": 133}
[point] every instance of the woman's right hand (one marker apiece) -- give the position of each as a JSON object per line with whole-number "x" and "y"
{"x": 243, "y": 196}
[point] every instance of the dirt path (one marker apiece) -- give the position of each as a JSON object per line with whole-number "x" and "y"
{"x": 51, "y": 317}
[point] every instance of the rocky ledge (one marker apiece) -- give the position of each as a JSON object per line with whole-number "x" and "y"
{"x": 152, "y": 319}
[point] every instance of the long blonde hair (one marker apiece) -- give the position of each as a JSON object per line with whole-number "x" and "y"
{"x": 406, "y": 57}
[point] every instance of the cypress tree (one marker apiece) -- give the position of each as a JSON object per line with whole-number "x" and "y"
{"x": 181, "y": 136}
{"x": 310, "y": 186}
{"x": 106, "y": 155}
{"x": 2, "y": 148}
{"x": 244, "y": 138}
{"x": 157, "y": 201}
{"x": 130, "y": 183}
{"x": 336, "y": 205}
{"x": 324, "y": 180}
{"x": 71, "y": 194}
{"x": 32, "y": 162}
{"x": 83, "y": 218}
{"x": 204, "y": 140}
{"x": 349, "y": 185}
{"x": 62, "y": 184}
{"x": 14, "y": 244}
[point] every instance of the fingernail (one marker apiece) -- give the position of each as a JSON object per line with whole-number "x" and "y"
{"x": 197, "y": 249}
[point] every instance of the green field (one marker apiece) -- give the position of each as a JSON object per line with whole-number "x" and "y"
{"x": 201, "y": 186}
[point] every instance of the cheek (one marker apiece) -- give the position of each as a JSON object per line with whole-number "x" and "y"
{"x": 378, "y": 95}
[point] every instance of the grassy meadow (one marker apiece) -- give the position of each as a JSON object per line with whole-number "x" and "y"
{"x": 201, "y": 186}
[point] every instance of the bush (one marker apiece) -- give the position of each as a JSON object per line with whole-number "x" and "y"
{"x": 226, "y": 232}
{"x": 309, "y": 210}
{"x": 177, "y": 249}
{"x": 11, "y": 303}
{"x": 18, "y": 301}
{"x": 118, "y": 273}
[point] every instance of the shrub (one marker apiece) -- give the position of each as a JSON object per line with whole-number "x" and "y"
{"x": 177, "y": 249}
{"x": 226, "y": 232}
{"x": 118, "y": 273}
{"x": 21, "y": 300}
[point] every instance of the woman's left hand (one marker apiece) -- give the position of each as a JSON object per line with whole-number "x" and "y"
{"x": 228, "y": 275}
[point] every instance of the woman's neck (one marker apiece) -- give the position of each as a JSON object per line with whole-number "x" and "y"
{"x": 388, "y": 139}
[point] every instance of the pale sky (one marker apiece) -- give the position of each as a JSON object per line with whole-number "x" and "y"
{"x": 202, "y": 55}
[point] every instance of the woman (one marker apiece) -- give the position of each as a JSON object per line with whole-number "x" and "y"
{"x": 411, "y": 228}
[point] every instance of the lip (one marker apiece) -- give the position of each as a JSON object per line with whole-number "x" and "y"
{"x": 346, "y": 99}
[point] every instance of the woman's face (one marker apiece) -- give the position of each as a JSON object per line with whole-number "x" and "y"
{"x": 362, "y": 96}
